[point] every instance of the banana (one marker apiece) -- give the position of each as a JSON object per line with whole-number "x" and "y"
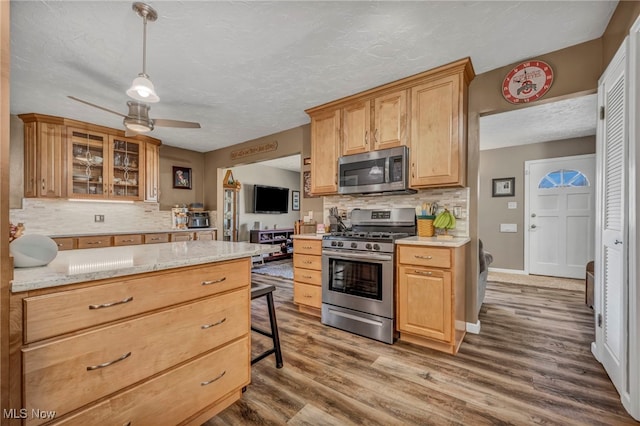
{"x": 445, "y": 220}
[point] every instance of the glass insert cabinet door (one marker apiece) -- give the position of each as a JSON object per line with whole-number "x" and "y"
{"x": 230, "y": 215}
{"x": 88, "y": 176}
{"x": 104, "y": 166}
{"x": 126, "y": 163}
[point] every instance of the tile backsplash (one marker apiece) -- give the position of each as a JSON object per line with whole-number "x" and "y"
{"x": 64, "y": 217}
{"x": 445, "y": 197}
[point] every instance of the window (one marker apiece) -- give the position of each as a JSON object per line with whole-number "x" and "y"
{"x": 563, "y": 179}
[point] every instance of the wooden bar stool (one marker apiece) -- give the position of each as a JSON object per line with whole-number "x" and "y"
{"x": 259, "y": 290}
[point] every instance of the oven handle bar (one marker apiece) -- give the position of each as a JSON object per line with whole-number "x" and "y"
{"x": 350, "y": 255}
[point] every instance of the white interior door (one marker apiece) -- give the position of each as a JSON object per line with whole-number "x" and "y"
{"x": 611, "y": 272}
{"x": 561, "y": 215}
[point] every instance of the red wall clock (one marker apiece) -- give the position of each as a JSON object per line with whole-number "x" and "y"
{"x": 527, "y": 82}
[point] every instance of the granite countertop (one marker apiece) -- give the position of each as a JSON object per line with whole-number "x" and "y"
{"x": 307, "y": 236}
{"x": 155, "y": 231}
{"x": 74, "y": 266}
{"x": 433, "y": 241}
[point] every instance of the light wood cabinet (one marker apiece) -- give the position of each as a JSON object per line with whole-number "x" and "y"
{"x": 307, "y": 275}
{"x": 127, "y": 240}
{"x": 119, "y": 362}
{"x": 438, "y": 138}
{"x": 372, "y": 124}
{"x": 74, "y": 159}
{"x": 94, "y": 241}
{"x": 181, "y": 236}
{"x": 65, "y": 243}
{"x": 44, "y": 156}
{"x": 161, "y": 237}
{"x": 325, "y": 150}
{"x": 152, "y": 172}
{"x": 426, "y": 111}
{"x": 430, "y": 296}
{"x": 206, "y": 235}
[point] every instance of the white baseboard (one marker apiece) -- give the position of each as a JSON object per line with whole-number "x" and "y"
{"x": 473, "y": 328}
{"x": 508, "y": 271}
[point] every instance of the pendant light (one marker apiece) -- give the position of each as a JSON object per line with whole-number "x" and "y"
{"x": 142, "y": 88}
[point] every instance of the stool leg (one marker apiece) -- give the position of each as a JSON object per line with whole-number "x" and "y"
{"x": 274, "y": 330}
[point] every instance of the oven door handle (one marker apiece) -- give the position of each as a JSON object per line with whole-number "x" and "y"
{"x": 335, "y": 254}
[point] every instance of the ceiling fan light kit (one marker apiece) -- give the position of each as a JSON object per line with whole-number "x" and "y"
{"x": 142, "y": 88}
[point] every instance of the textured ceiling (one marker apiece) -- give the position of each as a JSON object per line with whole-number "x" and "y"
{"x": 569, "y": 118}
{"x": 249, "y": 69}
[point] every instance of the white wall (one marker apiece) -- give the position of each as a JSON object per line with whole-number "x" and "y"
{"x": 253, "y": 174}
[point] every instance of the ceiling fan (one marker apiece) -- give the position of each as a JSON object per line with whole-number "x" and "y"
{"x": 142, "y": 90}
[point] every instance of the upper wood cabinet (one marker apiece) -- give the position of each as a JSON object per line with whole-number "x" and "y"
{"x": 369, "y": 125}
{"x": 426, "y": 111}
{"x": 44, "y": 154}
{"x": 325, "y": 150}
{"x": 438, "y": 133}
{"x": 69, "y": 158}
{"x": 152, "y": 172}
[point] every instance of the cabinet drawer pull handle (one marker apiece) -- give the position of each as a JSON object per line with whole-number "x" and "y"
{"x": 155, "y": 238}
{"x": 214, "y": 281}
{"x": 307, "y": 247}
{"x": 108, "y": 305}
{"x": 309, "y": 296}
{"x": 130, "y": 240}
{"x": 94, "y": 242}
{"x": 308, "y": 262}
{"x": 423, "y": 273}
{"x": 43, "y": 184}
{"x": 306, "y": 276}
{"x": 60, "y": 244}
{"x": 423, "y": 257}
{"x": 204, "y": 327}
{"x": 108, "y": 363}
{"x": 208, "y": 382}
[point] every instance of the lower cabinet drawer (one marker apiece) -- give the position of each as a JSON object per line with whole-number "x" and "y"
{"x": 309, "y": 276}
{"x": 305, "y": 294}
{"x": 307, "y": 261}
{"x": 93, "y": 242}
{"x": 64, "y": 243}
{"x": 167, "y": 399}
{"x": 53, "y": 314}
{"x": 68, "y": 373}
{"x": 127, "y": 240}
{"x": 156, "y": 238}
{"x": 424, "y": 256}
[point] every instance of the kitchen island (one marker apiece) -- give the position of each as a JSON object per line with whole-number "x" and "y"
{"x": 137, "y": 334}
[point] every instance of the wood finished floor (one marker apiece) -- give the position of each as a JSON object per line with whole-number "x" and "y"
{"x": 531, "y": 364}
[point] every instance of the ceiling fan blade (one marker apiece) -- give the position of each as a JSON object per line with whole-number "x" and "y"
{"x": 161, "y": 122}
{"x": 97, "y": 106}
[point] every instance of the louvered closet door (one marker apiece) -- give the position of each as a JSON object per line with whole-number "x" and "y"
{"x": 612, "y": 156}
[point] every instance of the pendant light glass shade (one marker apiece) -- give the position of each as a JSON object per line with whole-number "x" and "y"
{"x": 142, "y": 90}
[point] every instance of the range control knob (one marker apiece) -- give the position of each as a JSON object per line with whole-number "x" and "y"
{"x": 376, "y": 247}
{"x": 334, "y": 243}
{"x": 368, "y": 246}
{"x": 354, "y": 245}
{"x": 340, "y": 244}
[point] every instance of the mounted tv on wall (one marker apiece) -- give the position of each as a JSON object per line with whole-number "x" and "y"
{"x": 270, "y": 199}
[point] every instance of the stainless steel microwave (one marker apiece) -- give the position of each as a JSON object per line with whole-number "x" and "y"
{"x": 382, "y": 171}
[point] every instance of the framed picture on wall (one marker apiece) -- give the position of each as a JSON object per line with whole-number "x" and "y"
{"x": 503, "y": 187}
{"x": 295, "y": 200}
{"x": 181, "y": 177}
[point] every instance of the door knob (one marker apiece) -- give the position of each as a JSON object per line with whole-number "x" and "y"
{"x": 616, "y": 242}
{"x": 533, "y": 226}
{"x": 533, "y": 215}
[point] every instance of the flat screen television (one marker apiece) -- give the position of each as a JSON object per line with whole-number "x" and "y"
{"x": 270, "y": 199}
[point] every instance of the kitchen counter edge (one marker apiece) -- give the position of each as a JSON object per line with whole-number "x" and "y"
{"x": 156, "y": 231}
{"x": 83, "y": 265}
{"x": 433, "y": 241}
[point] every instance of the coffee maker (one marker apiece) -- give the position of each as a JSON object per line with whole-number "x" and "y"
{"x": 198, "y": 219}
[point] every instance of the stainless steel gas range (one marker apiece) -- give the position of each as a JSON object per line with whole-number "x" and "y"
{"x": 358, "y": 272}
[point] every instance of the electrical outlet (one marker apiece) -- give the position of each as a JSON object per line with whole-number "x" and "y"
{"x": 98, "y": 218}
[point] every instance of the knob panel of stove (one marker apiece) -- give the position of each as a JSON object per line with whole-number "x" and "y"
{"x": 376, "y": 247}
{"x": 368, "y": 246}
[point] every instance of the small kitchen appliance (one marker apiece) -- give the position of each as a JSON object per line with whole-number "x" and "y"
{"x": 198, "y": 219}
{"x": 358, "y": 272}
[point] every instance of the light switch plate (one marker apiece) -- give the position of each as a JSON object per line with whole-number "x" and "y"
{"x": 512, "y": 205}
{"x": 508, "y": 227}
